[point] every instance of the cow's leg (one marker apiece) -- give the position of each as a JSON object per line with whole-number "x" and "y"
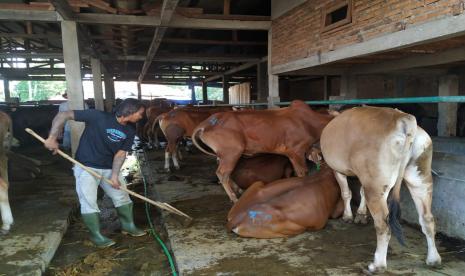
{"x": 346, "y": 195}
{"x": 179, "y": 153}
{"x": 377, "y": 204}
{"x": 420, "y": 185}
{"x": 174, "y": 156}
{"x": 5, "y": 210}
{"x": 167, "y": 160}
{"x": 362, "y": 215}
{"x": 226, "y": 165}
{"x": 298, "y": 162}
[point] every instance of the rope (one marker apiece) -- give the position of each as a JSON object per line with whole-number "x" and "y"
{"x": 152, "y": 231}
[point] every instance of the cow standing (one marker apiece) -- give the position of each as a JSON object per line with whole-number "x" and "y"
{"x": 287, "y": 207}
{"x": 178, "y": 124}
{"x": 6, "y": 136}
{"x": 289, "y": 131}
{"x": 382, "y": 147}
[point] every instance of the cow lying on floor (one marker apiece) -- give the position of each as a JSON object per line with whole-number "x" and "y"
{"x": 287, "y": 207}
{"x": 6, "y": 136}
{"x": 383, "y": 147}
{"x": 265, "y": 168}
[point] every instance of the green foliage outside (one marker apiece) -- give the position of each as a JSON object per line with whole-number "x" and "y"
{"x": 36, "y": 90}
{"x": 214, "y": 93}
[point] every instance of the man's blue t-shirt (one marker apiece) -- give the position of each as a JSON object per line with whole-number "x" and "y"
{"x": 102, "y": 138}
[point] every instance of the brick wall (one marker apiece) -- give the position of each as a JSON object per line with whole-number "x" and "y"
{"x": 297, "y": 34}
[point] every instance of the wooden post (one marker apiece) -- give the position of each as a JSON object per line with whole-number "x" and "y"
{"x": 109, "y": 92}
{"x": 273, "y": 80}
{"x": 204, "y": 92}
{"x": 139, "y": 91}
{"x": 225, "y": 89}
{"x": 447, "y": 121}
{"x": 6, "y": 90}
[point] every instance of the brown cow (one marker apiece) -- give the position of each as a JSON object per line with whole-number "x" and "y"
{"x": 178, "y": 124}
{"x": 287, "y": 207}
{"x": 6, "y": 136}
{"x": 382, "y": 147}
{"x": 287, "y": 131}
{"x": 265, "y": 168}
{"x": 151, "y": 127}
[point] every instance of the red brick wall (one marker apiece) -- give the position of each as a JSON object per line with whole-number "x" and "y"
{"x": 297, "y": 34}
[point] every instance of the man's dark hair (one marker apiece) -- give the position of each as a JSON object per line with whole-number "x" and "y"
{"x": 128, "y": 107}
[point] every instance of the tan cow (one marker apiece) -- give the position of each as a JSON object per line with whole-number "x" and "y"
{"x": 6, "y": 136}
{"x": 287, "y": 207}
{"x": 289, "y": 131}
{"x": 382, "y": 147}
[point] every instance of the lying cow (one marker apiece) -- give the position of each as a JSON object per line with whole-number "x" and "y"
{"x": 287, "y": 207}
{"x": 287, "y": 131}
{"x": 382, "y": 147}
{"x": 6, "y": 136}
{"x": 178, "y": 124}
{"x": 265, "y": 168}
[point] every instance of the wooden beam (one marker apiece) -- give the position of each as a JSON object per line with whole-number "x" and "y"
{"x": 423, "y": 60}
{"x": 167, "y": 11}
{"x": 237, "y": 69}
{"x": 31, "y": 15}
{"x": 31, "y": 36}
{"x": 64, "y": 9}
{"x": 227, "y": 7}
{"x": 187, "y": 58}
{"x": 436, "y": 30}
{"x": 177, "y": 21}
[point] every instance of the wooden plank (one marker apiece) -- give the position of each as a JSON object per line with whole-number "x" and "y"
{"x": 166, "y": 13}
{"x": 237, "y": 69}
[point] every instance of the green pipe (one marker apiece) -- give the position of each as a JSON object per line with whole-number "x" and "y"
{"x": 435, "y": 99}
{"x": 432, "y": 99}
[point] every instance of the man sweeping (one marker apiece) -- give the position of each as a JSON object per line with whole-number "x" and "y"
{"x": 103, "y": 147}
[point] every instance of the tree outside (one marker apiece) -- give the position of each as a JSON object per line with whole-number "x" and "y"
{"x": 36, "y": 90}
{"x": 214, "y": 93}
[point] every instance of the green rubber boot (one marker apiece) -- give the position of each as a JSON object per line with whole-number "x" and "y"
{"x": 93, "y": 224}
{"x": 126, "y": 218}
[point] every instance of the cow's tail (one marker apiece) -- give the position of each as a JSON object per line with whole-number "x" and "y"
{"x": 395, "y": 213}
{"x": 156, "y": 123}
{"x": 195, "y": 134}
{"x": 408, "y": 127}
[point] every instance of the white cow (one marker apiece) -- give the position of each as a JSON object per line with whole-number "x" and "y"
{"x": 6, "y": 137}
{"x": 382, "y": 147}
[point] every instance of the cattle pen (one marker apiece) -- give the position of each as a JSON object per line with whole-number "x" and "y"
{"x": 271, "y": 137}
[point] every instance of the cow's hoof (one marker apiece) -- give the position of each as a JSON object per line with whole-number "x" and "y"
{"x": 348, "y": 219}
{"x": 4, "y": 232}
{"x": 177, "y": 168}
{"x": 167, "y": 170}
{"x": 361, "y": 219}
{"x": 434, "y": 261}
{"x": 372, "y": 268}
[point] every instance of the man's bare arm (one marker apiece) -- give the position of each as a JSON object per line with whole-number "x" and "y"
{"x": 118, "y": 161}
{"x": 59, "y": 121}
{"x": 57, "y": 126}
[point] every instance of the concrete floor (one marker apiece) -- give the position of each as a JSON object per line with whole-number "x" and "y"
{"x": 41, "y": 208}
{"x": 207, "y": 248}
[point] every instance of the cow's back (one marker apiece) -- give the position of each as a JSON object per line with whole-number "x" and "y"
{"x": 365, "y": 136}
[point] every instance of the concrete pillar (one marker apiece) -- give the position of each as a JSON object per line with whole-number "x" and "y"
{"x": 109, "y": 92}
{"x": 225, "y": 89}
{"x": 348, "y": 86}
{"x": 447, "y": 121}
{"x": 6, "y": 89}
{"x": 73, "y": 77}
{"x": 262, "y": 82}
{"x": 97, "y": 81}
{"x": 192, "y": 88}
{"x": 139, "y": 91}
{"x": 273, "y": 80}
{"x": 204, "y": 92}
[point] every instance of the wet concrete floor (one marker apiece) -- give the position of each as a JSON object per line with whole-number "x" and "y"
{"x": 40, "y": 208}
{"x": 207, "y": 248}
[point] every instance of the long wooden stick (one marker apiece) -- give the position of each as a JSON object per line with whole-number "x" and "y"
{"x": 162, "y": 205}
